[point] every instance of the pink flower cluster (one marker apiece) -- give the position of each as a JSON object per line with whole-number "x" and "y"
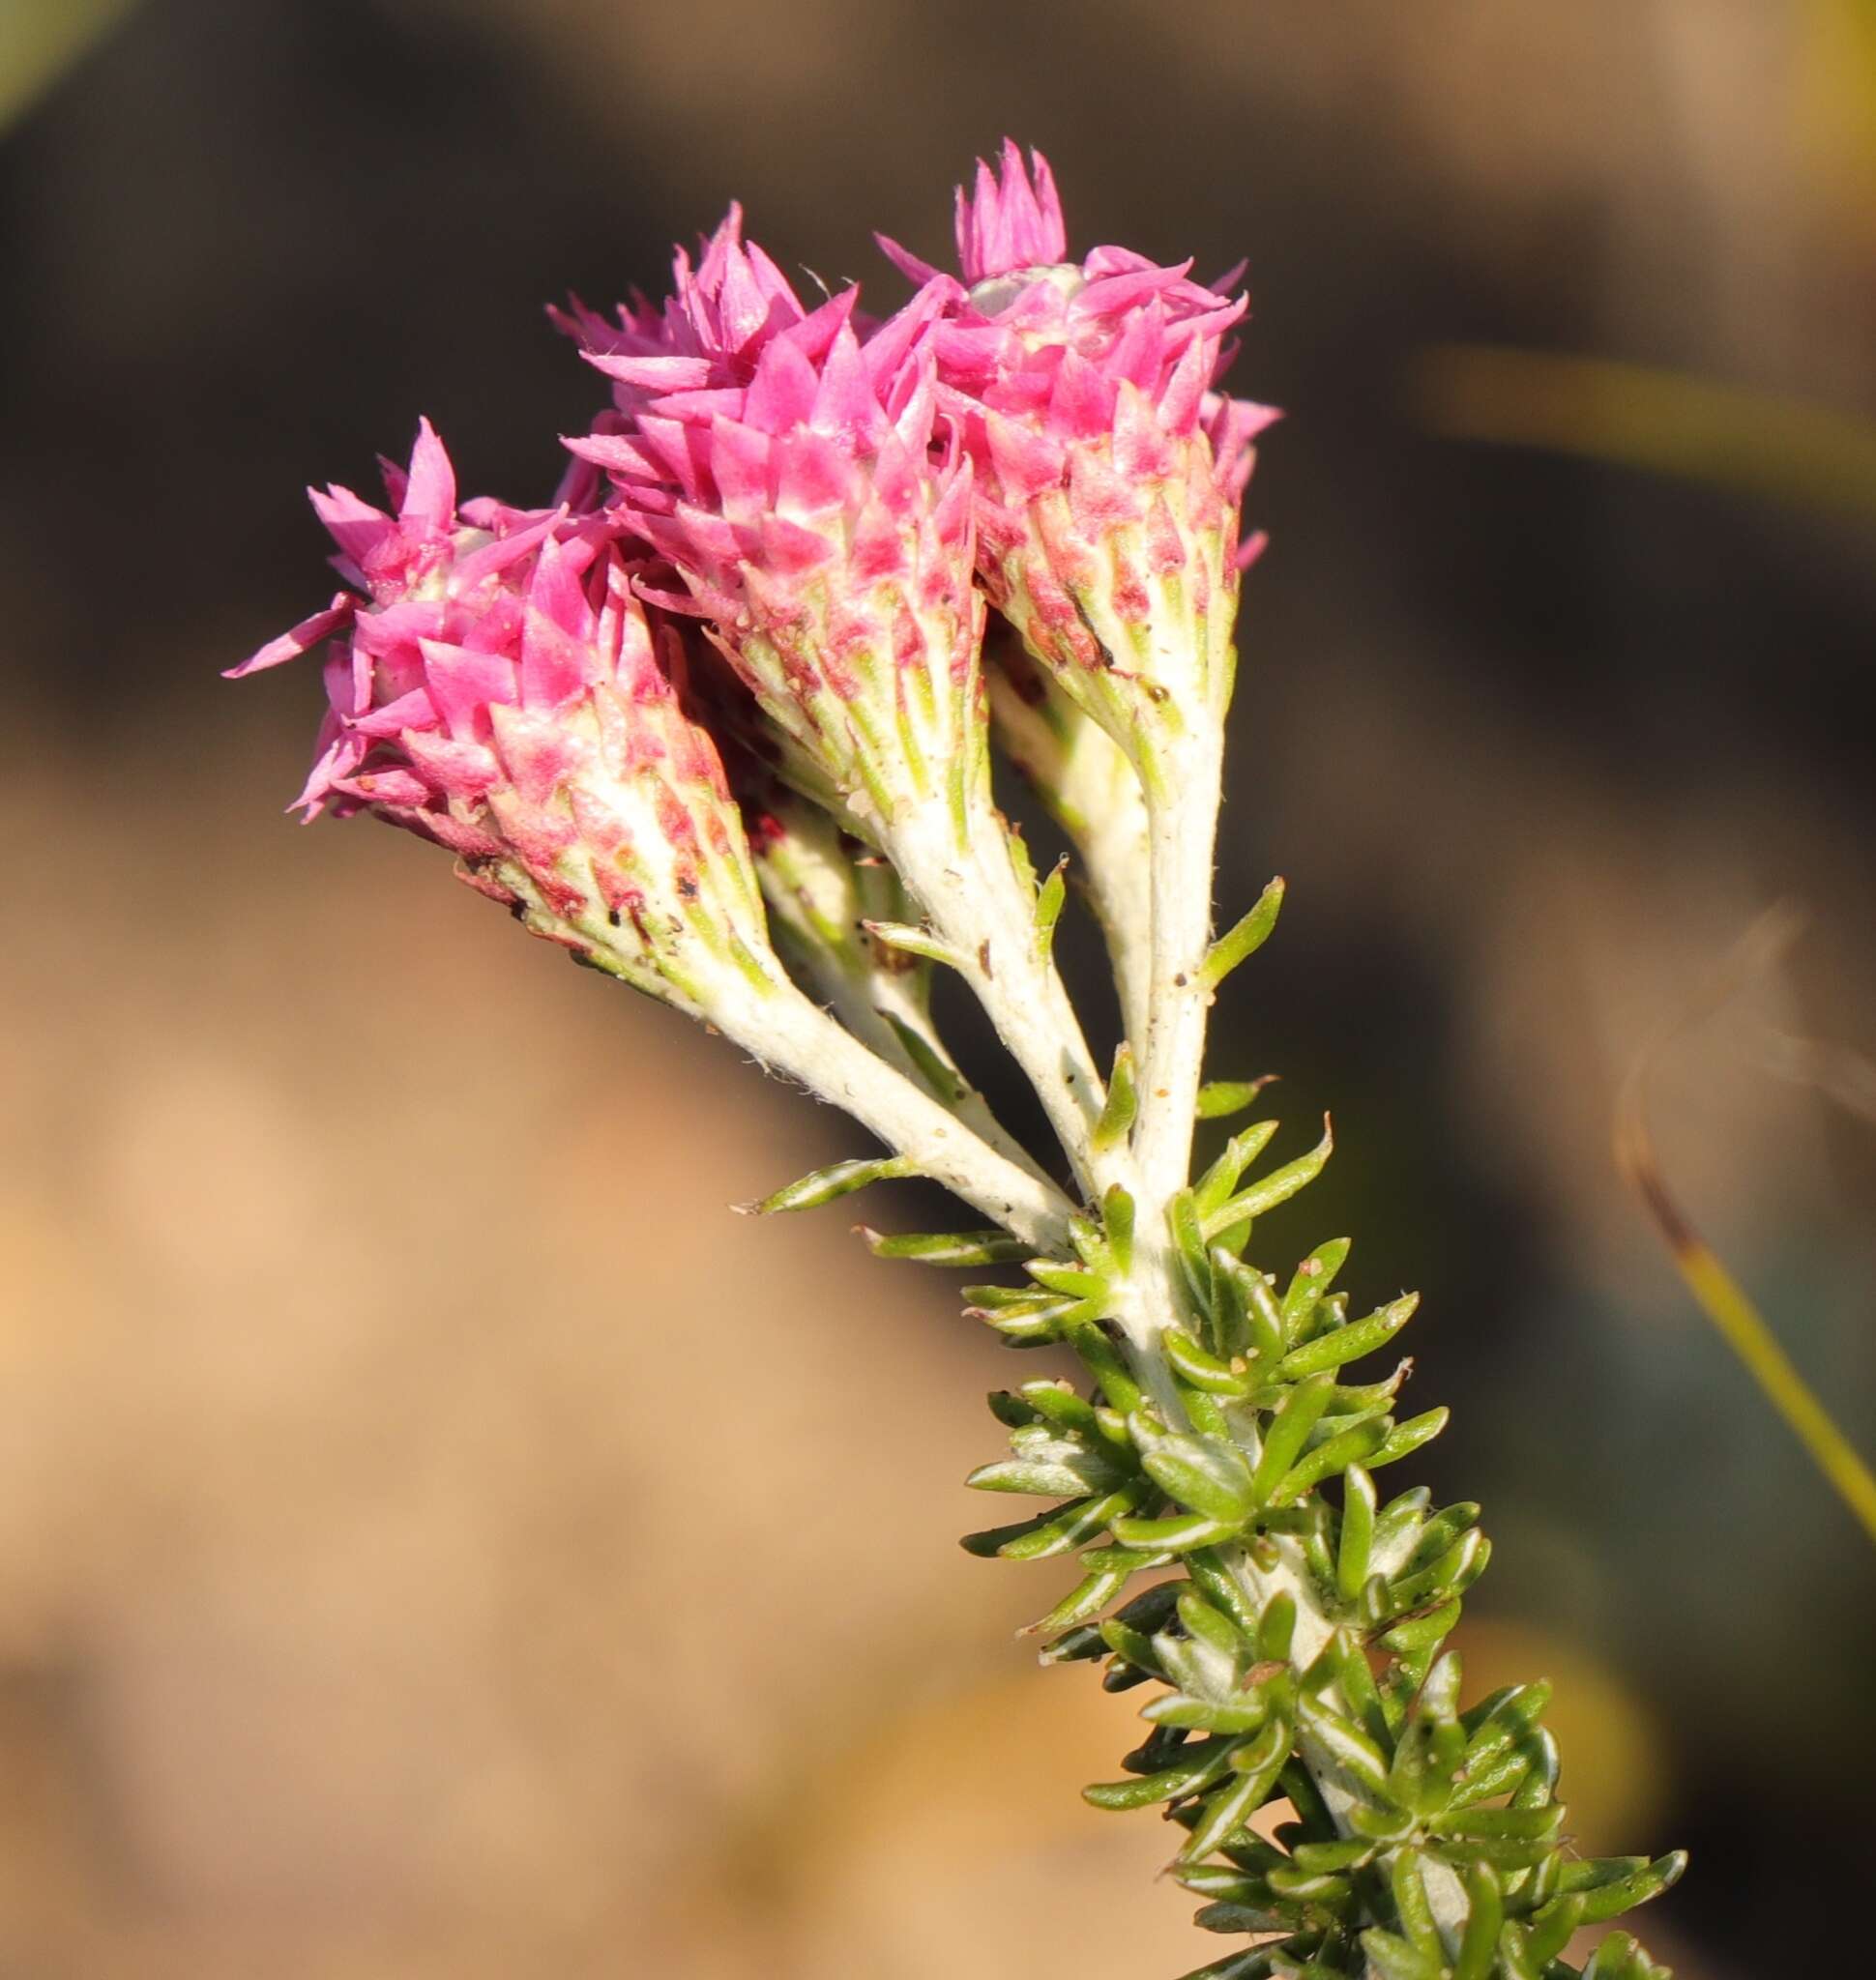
{"x": 832, "y": 500}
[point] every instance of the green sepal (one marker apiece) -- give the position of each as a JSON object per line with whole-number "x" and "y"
{"x": 838, "y": 1179}
{"x": 949, "y": 1248}
{"x": 1244, "y": 939}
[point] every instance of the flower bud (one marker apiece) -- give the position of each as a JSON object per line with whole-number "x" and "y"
{"x": 1108, "y": 467}
{"x": 783, "y": 468}
{"x": 500, "y": 689}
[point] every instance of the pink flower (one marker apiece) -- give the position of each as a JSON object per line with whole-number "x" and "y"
{"x": 500, "y": 689}
{"x": 1109, "y": 467}
{"x": 781, "y": 460}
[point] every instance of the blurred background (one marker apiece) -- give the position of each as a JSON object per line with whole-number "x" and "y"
{"x": 354, "y": 1254}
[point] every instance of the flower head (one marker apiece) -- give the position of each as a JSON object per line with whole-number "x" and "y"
{"x": 496, "y": 685}
{"x": 781, "y": 460}
{"x": 1109, "y": 466}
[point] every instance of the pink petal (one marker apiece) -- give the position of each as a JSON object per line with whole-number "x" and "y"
{"x": 781, "y": 395}
{"x": 431, "y": 497}
{"x": 297, "y": 639}
{"x": 906, "y": 262}
{"x": 652, "y": 375}
{"x": 463, "y": 682}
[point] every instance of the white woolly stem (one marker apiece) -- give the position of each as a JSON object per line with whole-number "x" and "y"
{"x": 787, "y": 1031}
{"x": 1181, "y": 832}
{"x": 980, "y": 909}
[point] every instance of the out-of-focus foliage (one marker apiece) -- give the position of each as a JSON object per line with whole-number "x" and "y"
{"x": 39, "y": 38}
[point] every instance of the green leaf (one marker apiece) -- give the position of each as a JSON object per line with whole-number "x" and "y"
{"x": 1333, "y": 1741}
{"x": 1220, "y": 1099}
{"x": 1202, "y": 1370}
{"x": 1452, "y": 1574}
{"x": 1207, "y": 1474}
{"x": 1551, "y": 1929}
{"x": 1330, "y": 1458}
{"x": 1349, "y": 1343}
{"x": 1177, "y": 1535}
{"x": 1619, "y": 1894}
{"x": 1422, "y": 1632}
{"x": 1207, "y": 1761}
{"x": 1619, "y": 1958}
{"x": 1103, "y": 1361}
{"x": 1288, "y": 1431}
{"x": 1311, "y": 1279}
{"x": 1117, "y": 1221}
{"x": 1194, "y": 1260}
{"x": 1485, "y": 1915}
{"x": 1502, "y": 1824}
{"x": 839, "y": 1178}
{"x": 1244, "y": 939}
{"x": 1279, "y": 1186}
{"x": 932, "y": 1066}
{"x": 1257, "y": 1302}
{"x": 953, "y": 1247}
{"x": 907, "y": 939}
{"x": 1058, "y": 1533}
{"x": 1357, "y": 1532}
{"x": 1049, "y": 898}
{"x": 1121, "y": 1104}
{"x": 1225, "y": 1808}
{"x": 1404, "y": 1439}
{"x": 1218, "y": 1183}
{"x": 1393, "y": 1959}
{"x": 1276, "y": 1627}
{"x": 1412, "y": 1905}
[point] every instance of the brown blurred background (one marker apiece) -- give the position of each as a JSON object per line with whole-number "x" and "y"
{"x": 366, "y": 1609}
